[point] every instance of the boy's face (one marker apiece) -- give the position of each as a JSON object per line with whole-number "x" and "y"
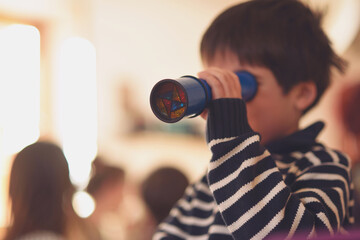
{"x": 271, "y": 112}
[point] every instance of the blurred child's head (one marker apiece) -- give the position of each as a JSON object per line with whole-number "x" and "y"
{"x": 281, "y": 36}
{"x": 106, "y": 184}
{"x": 40, "y": 189}
{"x": 162, "y": 189}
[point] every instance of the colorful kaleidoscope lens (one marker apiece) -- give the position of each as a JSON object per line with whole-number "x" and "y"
{"x": 169, "y": 102}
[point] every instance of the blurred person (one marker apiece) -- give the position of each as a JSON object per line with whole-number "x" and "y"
{"x": 349, "y": 113}
{"x": 349, "y": 116}
{"x": 106, "y": 187}
{"x": 41, "y": 193}
{"x": 160, "y": 190}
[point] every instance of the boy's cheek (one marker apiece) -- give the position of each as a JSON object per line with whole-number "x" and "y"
{"x": 258, "y": 118}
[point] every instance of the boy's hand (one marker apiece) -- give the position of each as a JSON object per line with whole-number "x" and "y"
{"x": 223, "y": 83}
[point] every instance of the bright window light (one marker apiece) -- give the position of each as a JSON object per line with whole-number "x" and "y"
{"x": 19, "y": 86}
{"x": 19, "y": 96}
{"x": 77, "y": 106}
{"x": 345, "y": 25}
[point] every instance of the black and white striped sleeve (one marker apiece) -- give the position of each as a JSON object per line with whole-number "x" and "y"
{"x": 250, "y": 191}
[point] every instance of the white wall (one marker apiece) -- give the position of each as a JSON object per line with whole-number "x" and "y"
{"x": 143, "y": 42}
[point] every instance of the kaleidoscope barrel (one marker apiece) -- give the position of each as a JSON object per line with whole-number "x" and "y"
{"x": 188, "y": 96}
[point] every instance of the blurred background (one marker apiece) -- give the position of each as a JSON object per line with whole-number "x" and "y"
{"x": 80, "y": 72}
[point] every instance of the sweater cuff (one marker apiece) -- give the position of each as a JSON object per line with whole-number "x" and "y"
{"x": 226, "y": 118}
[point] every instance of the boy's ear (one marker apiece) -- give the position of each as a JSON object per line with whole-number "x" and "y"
{"x": 305, "y": 94}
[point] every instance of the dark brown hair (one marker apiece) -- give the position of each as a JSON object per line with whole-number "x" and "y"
{"x": 162, "y": 189}
{"x": 282, "y": 35}
{"x": 40, "y": 190}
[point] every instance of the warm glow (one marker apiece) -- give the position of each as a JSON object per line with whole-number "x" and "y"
{"x": 19, "y": 96}
{"x": 77, "y": 106}
{"x": 83, "y": 203}
{"x": 345, "y": 25}
{"x": 19, "y": 87}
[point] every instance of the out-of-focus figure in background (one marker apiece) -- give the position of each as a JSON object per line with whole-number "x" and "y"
{"x": 106, "y": 187}
{"x": 349, "y": 115}
{"x": 41, "y": 193}
{"x": 160, "y": 190}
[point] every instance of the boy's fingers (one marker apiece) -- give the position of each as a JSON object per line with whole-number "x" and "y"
{"x": 236, "y": 87}
{"x": 204, "y": 114}
{"x": 217, "y": 88}
{"x": 229, "y": 81}
{"x": 224, "y": 84}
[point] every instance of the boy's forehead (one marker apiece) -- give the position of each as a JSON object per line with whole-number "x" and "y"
{"x": 229, "y": 60}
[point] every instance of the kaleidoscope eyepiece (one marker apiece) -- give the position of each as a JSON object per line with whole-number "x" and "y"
{"x": 188, "y": 96}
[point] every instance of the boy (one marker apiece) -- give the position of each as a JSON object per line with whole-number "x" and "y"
{"x": 266, "y": 176}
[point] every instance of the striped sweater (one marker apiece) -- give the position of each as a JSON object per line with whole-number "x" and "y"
{"x": 251, "y": 192}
